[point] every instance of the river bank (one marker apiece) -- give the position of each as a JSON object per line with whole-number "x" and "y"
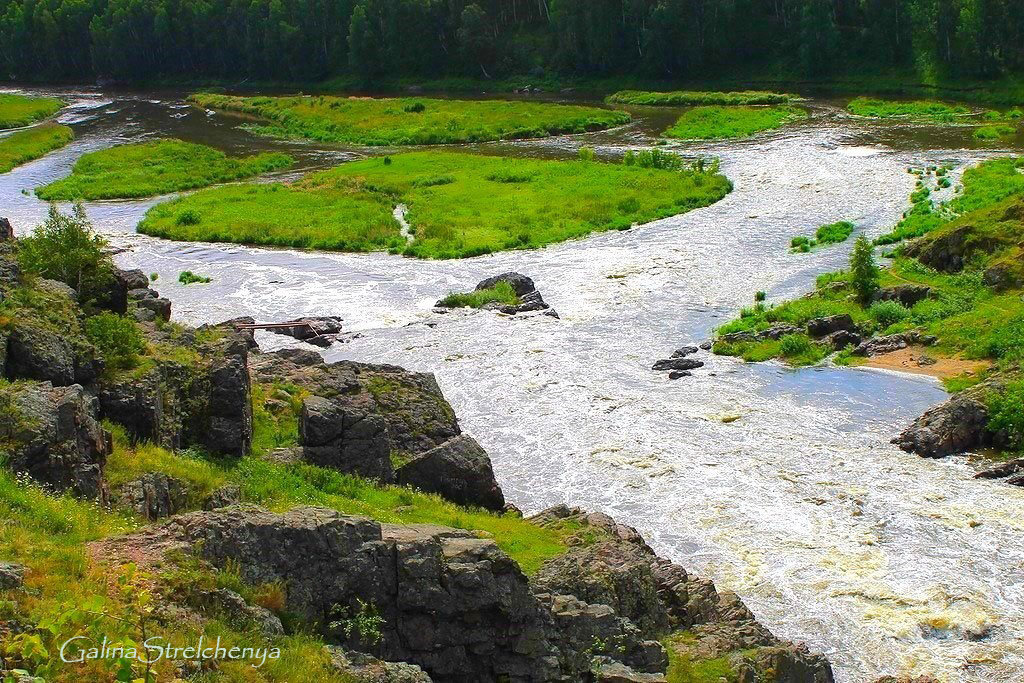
{"x": 800, "y": 504}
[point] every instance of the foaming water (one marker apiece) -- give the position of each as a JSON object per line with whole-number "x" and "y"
{"x": 780, "y": 484}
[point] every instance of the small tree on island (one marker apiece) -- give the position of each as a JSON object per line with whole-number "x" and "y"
{"x": 864, "y": 272}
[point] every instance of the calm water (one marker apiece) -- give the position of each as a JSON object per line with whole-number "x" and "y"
{"x": 887, "y": 562}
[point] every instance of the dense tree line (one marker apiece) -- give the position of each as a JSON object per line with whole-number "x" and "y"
{"x": 313, "y": 39}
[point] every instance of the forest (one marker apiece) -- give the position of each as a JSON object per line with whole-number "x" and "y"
{"x": 370, "y": 40}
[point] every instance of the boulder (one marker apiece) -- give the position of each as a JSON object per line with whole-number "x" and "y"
{"x": 610, "y": 671}
{"x": 1002, "y": 470}
{"x": 35, "y": 352}
{"x": 684, "y": 351}
{"x": 317, "y": 330}
{"x": 55, "y": 437}
{"x": 956, "y": 426}
{"x": 459, "y": 470}
{"x": 237, "y": 609}
{"x": 822, "y": 327}
{"x": 678, "y": 364}
{"x": 153, "y": 496}
{"x": 12, "y": 574}
{"x": 522, "y": 284}
{"x": 116, "y": 296}
{"x": 344, "y": 439}
{"x": 893, "y": 342}
{"x": 947, "y": 252}
{"x": 6, "y": 231}
{"x": 367, "y": 669}
{"x": 774, "y": 333}
{"x": 530, "y": 299}
{"x": 840, "y": 339}
{"x": 907, "y": 295}
{"x": 150, "y": 308}
{"x": 679, "y": 374}
{"x": 222, "y": 497}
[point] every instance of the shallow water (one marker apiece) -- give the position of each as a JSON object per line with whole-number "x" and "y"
{"x": 885, "y": 561}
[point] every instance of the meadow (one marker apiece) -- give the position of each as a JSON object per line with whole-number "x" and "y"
{"x": 719, "y": 123}
{"x": 153, "y": 168}
{"x": 33, "y": 143}
{"x": 23, "y": 110}
{"x": 458, "y": 205}
{"x": 409, "y": 121}
{"x": 680, "y": 98}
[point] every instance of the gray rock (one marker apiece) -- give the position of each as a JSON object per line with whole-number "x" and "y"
{"x": 1002, "y": 470}
{"x": 893, "y": 342}
{"x": 610, "y": 671}
{"x": 821, "y": 327}
{"x": 341, "y": 438}
{"x": 12, "y": 574}
{"x": 40, "y": 354}
{"x": 317, "y": 330}
{"x": 684, "y": 351}
{"x": 153, "y": 496}
{"x": 1003, "y": 276}
{"x": 707, "y": 345}
{"x": 459, "y": 470}
{"x": 6, "y": 231}
{"x": 907, "y": 295}
{"x": 229, "y": 406}
{"x": 520, "y": 283}
{"x": 956, "y": 426}
{"x": 224, "y": 496}
{"x": 677, "y": 364}
{"x": 55, "y": 437}
{"x": 841, "y": 339}
{"x": 775, "y": 332}
{"x": 366, "y": 669}
{"x": 158, "y": 306}
{"x": 235, "y": 606}
{"x": 679, "y": 374}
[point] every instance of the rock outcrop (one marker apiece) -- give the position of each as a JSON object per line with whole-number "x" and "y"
{"x": 53, "y": 436}
{"x": 956, "y": 426}
{"x": 153, "y": 496}
{"x": 530, "y": 300}
{"x": 320, "y": 331}
{"x": 893, "y": 342}
{"x": 907, "y": 295}
{"x": 822, "y": 327}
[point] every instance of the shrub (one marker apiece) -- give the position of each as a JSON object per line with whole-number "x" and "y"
{"x": 415, "y": 108}
{"x": 760, "y": 296}
{"x": 864, "y": 273}
{"x": 187, "y": 277}
{"x": 887, "y": 313}
{"x": 117, "y": 338}
{"x": 188, "y": 217}
{"x": 65, "y": 248}
{"x": 1006, "y": 413}
{"x": 834, "y": 233}
{"x": 587, "y": 154}
{"x": 795, "y": 345}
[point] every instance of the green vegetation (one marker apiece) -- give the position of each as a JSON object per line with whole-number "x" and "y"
{"x": 153, "y": 168}
{"x": 1006, "y": 414}
{"x": 681, "y": 98}
{"x": 995, "y": 132}
{"x": 418, "y": 121}
{"x": 716, "y": 123}
{"x": 864, "y": 273}
{"x": 984, "y": 185}
{"x": 66, "y": 248}
{"x": 23, "y": 110}
{"x": 28, "y": 145}
{"x": 832, "y": 233}
{"x": 921, "y": 110}
{"x": 501, "y": 293}
{"x": 486, "y": 204}
{"x": 117, "y": 338}
{"x": 187, "y": 277}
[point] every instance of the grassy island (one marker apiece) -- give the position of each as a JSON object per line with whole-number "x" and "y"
{"x": 410, "y": 121}
{"x": 832, "y": 233}
{"x": 681, "y": 98}
{"x": 153, "y": 168}
{"x": 458, "y": 204}
{"x": 28, "y": 145}
{"x": 926, "y": 110}
{"x": 719, "y": 122}
{"x": 23, "y": 110}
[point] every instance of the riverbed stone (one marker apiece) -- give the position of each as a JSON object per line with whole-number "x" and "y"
{"x": 677, "y": 364}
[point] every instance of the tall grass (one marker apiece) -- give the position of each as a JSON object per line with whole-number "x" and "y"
{"x": 387, "y": 121}
{"x": 28, "y": 145}
{"x": 152, "y": 168}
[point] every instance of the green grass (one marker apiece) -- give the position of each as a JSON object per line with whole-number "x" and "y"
{"x": 994, "y": 132}
{"x": 502, "y": 293}
{"x": 385, "y": 121}
{"x": 23, "y": 146}
{"x": 23, "y": 110}
{"x": 832, "y": 233}
{"x": 486, "y": 204}
{"x": 926, "y": 110}
{"x": 716, "y": 123}
{"x": 153, "y": 168}
{"x": 187, "y": 277}
{"x": 679, "y": 98}
{"x": 984, "y": 185}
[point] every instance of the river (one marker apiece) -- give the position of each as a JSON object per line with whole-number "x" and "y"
{"x": 884, "y": 561}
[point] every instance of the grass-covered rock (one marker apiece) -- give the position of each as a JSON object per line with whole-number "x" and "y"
{"x": 681, "y": 98}
{"x": 153, "y": 168}
{"x": 458, "y": 204}
{"x": 724, "y": 122}
{"x": 22, "y": 110}
{"x": 410, "y": 121}
{"x": 24, "y": 146}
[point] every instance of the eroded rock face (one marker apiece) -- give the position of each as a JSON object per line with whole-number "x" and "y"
{"x": 907, "y": 295}
{"x": 956, "y": 426}
{"x": 821, "y": 327}
{"x": 367, "y": 669}
{"x": 153, "y": 496}
{"x": 55, "y": 437}
{"x": 451, "y": 603}
{"x": 459, "y": 470}
{"x": 341, "y": 438}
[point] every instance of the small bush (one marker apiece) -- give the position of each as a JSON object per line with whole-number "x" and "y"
{"x": 887, "y": 313}
{"x": 760, "y": 296}
{"x": 188, "y": 217}
{"x": 1006, "y": 414}
{"x": 415, "y": 108}
{"x": 187, "y": 277}
{"x": 587, "y": 154}
{"x": 118, "y": 339}
{"x": 795, "y": 345}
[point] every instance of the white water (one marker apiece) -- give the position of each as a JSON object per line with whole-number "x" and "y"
{"x": 880, "y": 559}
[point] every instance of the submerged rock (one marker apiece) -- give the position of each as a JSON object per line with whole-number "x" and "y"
{"x": 678, "y": 364}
